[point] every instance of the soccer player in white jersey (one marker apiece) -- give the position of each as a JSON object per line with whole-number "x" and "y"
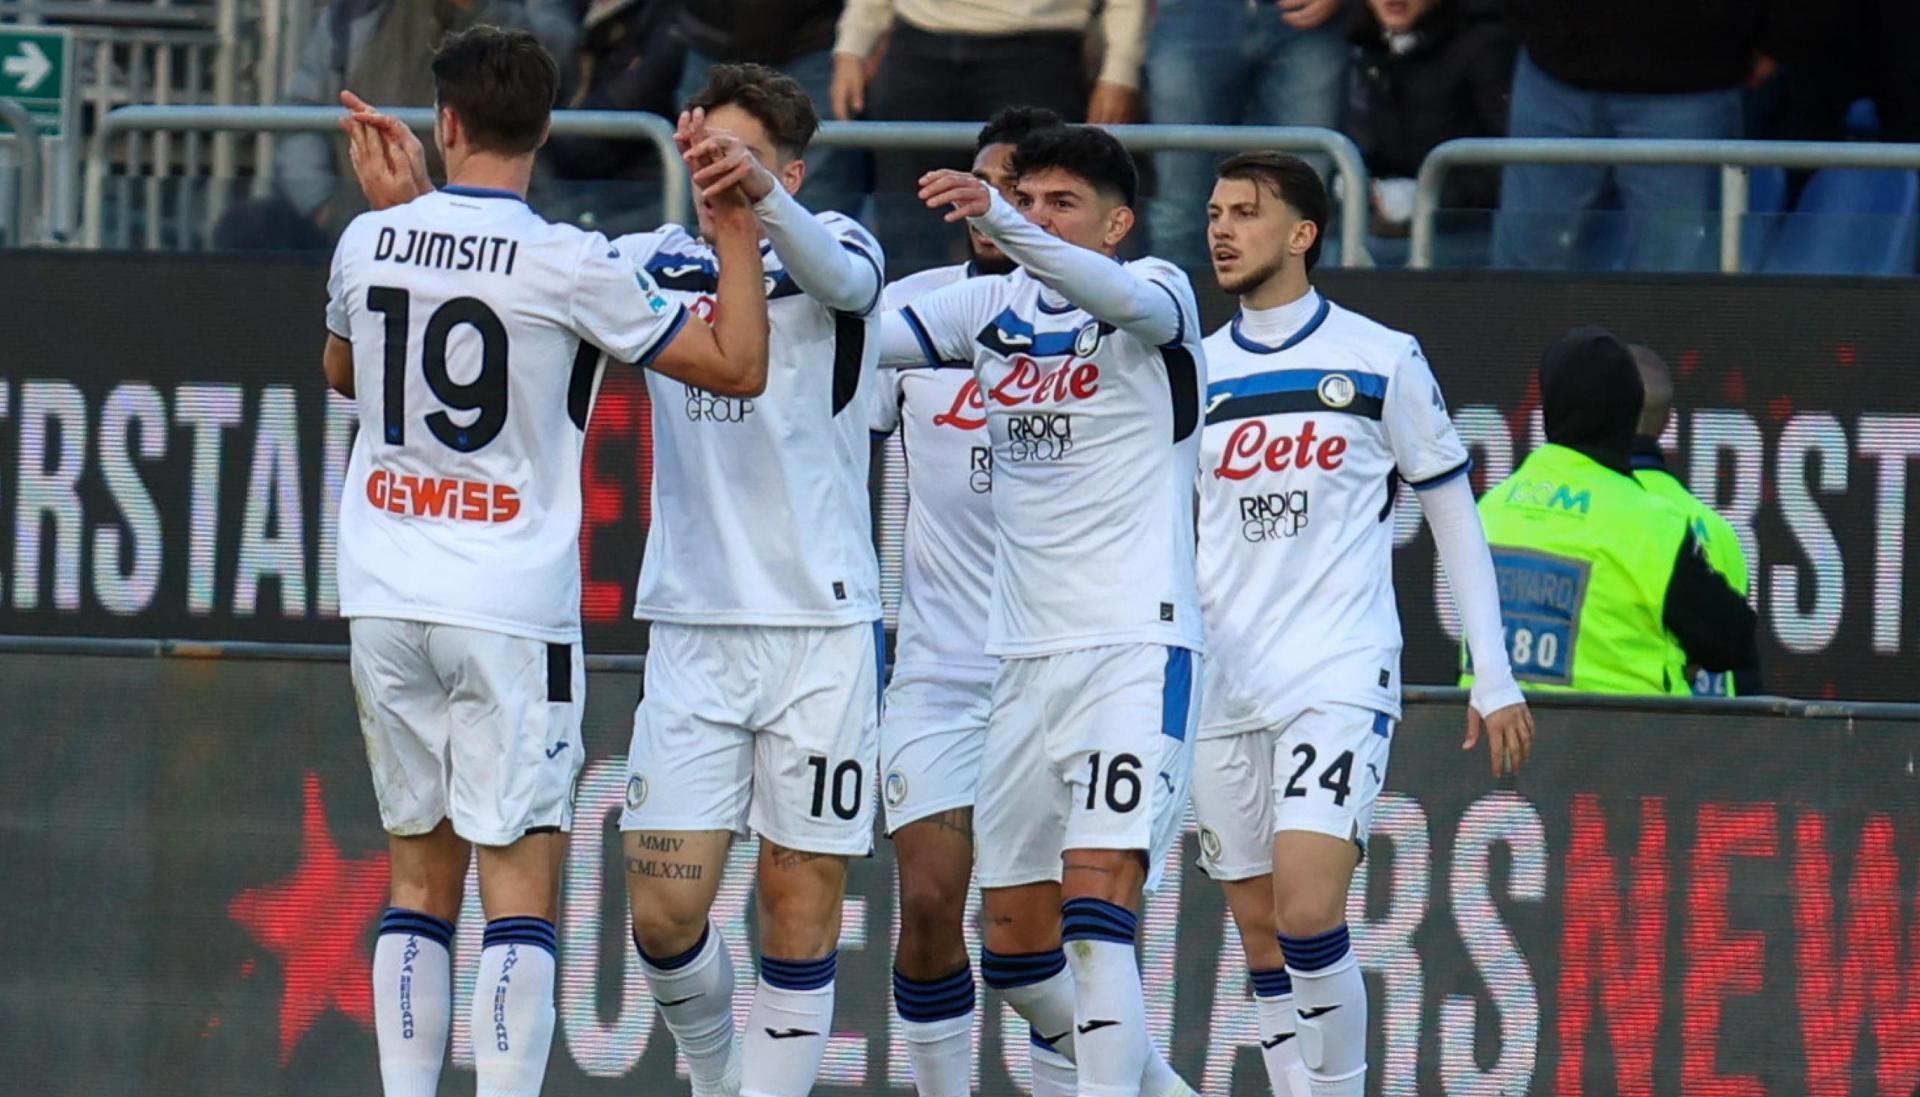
{"x": 471, "y": 331}
{"x": 934, "y": 722}
{"x": 1090, "y": 371}
{"x": 1313, "y": 416}
{"x": 761, "y": 708}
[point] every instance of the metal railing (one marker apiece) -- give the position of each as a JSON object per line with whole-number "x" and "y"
{"x": 269, "y": 651}
{"x": 622, "y": 125}
{"x": 603, "y": 124}
{"x": 1333, "y": 144}
{"x": 1733, "y": 158}
{"x": 27, "y": 158}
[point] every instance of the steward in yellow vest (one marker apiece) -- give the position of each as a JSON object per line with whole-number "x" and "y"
{"x": 1603, "y": 586}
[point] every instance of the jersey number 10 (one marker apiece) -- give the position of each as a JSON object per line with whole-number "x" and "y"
{"x": 485, "y": 394}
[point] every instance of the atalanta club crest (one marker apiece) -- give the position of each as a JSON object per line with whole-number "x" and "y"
{"x": 1337, "y": 390}
{"x": 1087, "y": 339}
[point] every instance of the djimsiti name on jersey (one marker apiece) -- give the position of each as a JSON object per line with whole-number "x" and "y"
{"x": 445, "y": 251}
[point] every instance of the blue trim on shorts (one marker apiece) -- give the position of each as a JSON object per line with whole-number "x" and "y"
{"x": 1176, "y": 694}
{"x": 1382, "y": 724}
{"x": 880, "y": 661}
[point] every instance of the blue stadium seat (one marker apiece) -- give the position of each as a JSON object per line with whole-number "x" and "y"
{"x": 1850, "y": 222}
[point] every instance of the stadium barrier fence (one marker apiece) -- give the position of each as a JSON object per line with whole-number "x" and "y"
{"x": 1733, "y": 158}
{"x": 1673, "y": 896}
{"x": 28, "y": 163}
{"x": 633, "y": 125}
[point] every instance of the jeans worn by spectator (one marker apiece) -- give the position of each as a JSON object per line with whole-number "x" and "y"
{"x": 836, "y": 178}
{"x": 1668, "y": 210}
{"x": 1228, "y": 62}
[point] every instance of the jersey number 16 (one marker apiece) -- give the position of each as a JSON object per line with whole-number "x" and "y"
{"x": 485, "y": 394}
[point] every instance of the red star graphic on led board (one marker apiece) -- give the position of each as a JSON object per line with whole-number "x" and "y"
{"x": 316, "y": 922}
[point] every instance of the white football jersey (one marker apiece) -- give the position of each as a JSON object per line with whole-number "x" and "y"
{"x": 1095, "y": 444}
{"x": 947, "y": 584}
{"x": 760, "y": 510}
{"x": 1306, "y": 441}
{"x": 477, "y": 331}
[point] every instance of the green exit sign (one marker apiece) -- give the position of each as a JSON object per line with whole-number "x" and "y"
{"x": 36, "y": 71}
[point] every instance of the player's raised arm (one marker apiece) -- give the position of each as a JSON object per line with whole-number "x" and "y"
{"x": 730, "y": 358}
{"x": 839, "y": 272}
{"x": 937, "y": 330}
{"x": 1089, "y": 279}
{"x": 388, "y": 160}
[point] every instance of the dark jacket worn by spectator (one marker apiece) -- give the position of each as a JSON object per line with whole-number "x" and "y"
{"x": 767, "y": 31}
{"x": 1447, "y": 77}
{"x": 629, "y": 59}
{"x": 1662, "y": 46}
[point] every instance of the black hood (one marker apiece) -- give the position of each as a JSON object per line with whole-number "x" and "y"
{"x": 1590, "y": 395}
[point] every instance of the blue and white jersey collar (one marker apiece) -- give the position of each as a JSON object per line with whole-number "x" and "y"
{"x": 1269, "y": 331}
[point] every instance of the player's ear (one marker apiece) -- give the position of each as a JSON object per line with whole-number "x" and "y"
{"x": 446, "y": 128}
{"x": 1119, "y": 224}
{"x": 1300, "y": 241}
{"x": 792, "y": 174}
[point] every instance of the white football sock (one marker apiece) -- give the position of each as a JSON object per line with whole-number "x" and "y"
{"x": 1279, "y": 1049}
{"x": 936, "y": 1017}
{"x": 412, "y": 1000}
{"x": 1111, "y": 1047}
{"x": 788, "y": 1027}
{"x": 694, "y": 994}
{"x": 513, "y": 1007}
{"x": 1330, "y": 1011}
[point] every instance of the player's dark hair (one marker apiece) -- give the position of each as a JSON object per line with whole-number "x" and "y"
{"x": 1089, "y": 152}
{"x": 776, "y": 101}
{"x": 1010, "y": 125}
{"x": 1296, "y": 183}
{"x": 501, "y": 84}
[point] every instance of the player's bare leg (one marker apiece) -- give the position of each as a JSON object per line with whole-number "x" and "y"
{"x": 513, "y": 997}
{"x": 799, "y": 897}
{"x": 932, "y": 980}
{"x": 672, "y": 879}
{"x": 1311, "y": 875}
{"x": 1251, "y": 903}
{"x": 412, "y": 959}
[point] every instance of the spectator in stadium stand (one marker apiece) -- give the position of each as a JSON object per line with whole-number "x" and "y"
{"x": 1603, "y": 586}
{"x": 1714, "y": 533}
{"x": 1839, "y": 51}
{"x": 630, "y": 58}
{"x": 955, "y": 62}
{"x": 1629, "y": 68}
{"x": 1427, "y": 71}
{"x": 1231, "y": 63}
{"x": 796, "y": 37}
{"x": 381, "y": 49}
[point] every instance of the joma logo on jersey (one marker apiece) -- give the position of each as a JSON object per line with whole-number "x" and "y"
{"x": 442, "y": 497}
{"x": 1274, "y": 515}
{"x": 1249, "y": 449}
{"x": 969, "y": 410}
{"x": 705, "y": 407}
{"x": 1040, "y": 437}
{"x": 1028, "y": 383}
{"x": 1546, "y": 493}
{"x": 980, "y": 469}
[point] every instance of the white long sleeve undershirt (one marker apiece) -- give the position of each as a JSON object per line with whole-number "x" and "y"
{"x": 1462, "y": 543}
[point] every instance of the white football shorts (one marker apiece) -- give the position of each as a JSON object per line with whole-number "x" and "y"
{"x": 1320, "y": 771}
{"x": 933, "y": 729}
{"x": 759, "y": 729}
{"x": 1087, "y": 749}
{"x": 463, "y": 723}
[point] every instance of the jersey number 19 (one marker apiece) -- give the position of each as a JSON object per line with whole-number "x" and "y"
{"x": 485, "y": 394}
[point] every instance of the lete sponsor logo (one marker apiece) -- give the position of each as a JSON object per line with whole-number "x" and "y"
{"x": 1250, "y": 449}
